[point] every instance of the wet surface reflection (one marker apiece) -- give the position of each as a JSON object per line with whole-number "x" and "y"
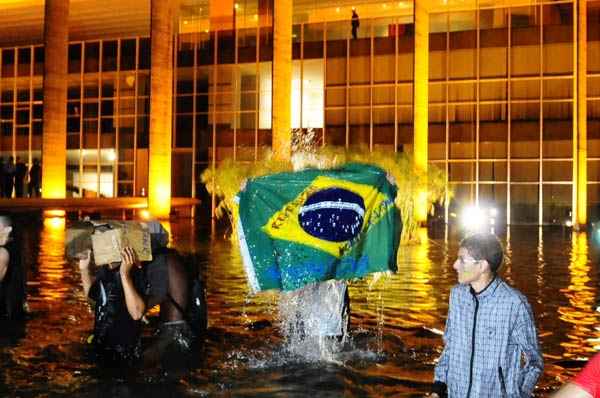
{"x": 395, "y": 322}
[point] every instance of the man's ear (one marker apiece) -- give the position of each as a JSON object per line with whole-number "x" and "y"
{"x": 485, "y": 266}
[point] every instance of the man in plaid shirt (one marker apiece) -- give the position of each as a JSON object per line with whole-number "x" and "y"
{"x": 491, "y": 347}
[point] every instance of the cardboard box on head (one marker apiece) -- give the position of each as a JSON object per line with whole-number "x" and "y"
{"x": 108, "y": 242}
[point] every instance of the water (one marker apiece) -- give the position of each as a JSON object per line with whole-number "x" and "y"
{"x": 395, "y": 323}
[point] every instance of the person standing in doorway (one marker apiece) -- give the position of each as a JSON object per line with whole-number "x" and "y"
{"x": 355, "y": 24}
{"x": 35, "y": 177}
{"x": 20, "y": 174}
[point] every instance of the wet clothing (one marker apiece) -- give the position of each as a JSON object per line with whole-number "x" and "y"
{"x": 117, "y": 336}
{"x": 12, "y": 287}
{"x": 589, "y": 377}
{"x": 491, "y": 347}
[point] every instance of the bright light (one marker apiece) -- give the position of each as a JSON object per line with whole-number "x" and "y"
{"x": 478, "y": 219}
{"x": 236, "y": 6}
{"x": 145, "y": 214}
{"x": 111, "y": 155}
{"x": 54, "y": 213}
{"x": 337, "y": 9}
{"x": 472, "y": 218}
{"x": 569, "y": 223}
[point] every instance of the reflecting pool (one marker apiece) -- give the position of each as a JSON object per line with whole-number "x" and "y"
{"x": 395, "y": 321}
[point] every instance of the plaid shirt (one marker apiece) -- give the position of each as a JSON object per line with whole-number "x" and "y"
{"x": 491, "y": 347}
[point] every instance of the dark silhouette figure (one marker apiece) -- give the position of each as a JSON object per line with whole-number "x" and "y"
{"x": 20, "y": 174}
{"x": 35, "y": 178}
{"x": 355, "y": 24}
{"x": 9, "y": 177}
{"x": 2, "y": 177}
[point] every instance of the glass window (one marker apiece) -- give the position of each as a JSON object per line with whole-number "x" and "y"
{"x": 494, "y": 195}
{"x": 461, "y": 171}
{"x": 336, "y": 71}
{"x": 74, "y": 58}
{"x": 359, "y": 120}
{"x": 557, "y": 171}
{"x": 128, "y": 54}
{"x": 525, "y": 130}
{"x": 524, "y": 200}
{"x": 558, "y": 130}
{"x": 313, "y": 40}
{"x": 205, "y": 48}
{"x": 92, "y": 57}
{"x": 226, "y": 47}
{"x": 184, "y": 104}
{"x": 109, "y": 56}
{"x": 24, "y": 58}
{"x": 247, "y": 45}
{"x": 145, "y": 54}
{"x": 492, "y": 171}
{"x": 185, "y": 54}
{"x": 38, "y": 59}
{"x": 557, "y": 200}
{"x": 8, "y": 62}
{"x": 525, "y": 171}
{"x": 184, "y": 130}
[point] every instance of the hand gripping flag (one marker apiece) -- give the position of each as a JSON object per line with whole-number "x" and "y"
{"x": 316, "y": 225}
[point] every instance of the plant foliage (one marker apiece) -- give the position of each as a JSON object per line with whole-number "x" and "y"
{"x": 226, "y": 180}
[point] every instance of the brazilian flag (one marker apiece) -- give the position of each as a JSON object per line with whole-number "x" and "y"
{"x": 314, "y": 225}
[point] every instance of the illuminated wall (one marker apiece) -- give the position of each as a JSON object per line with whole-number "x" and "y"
{"x": 500, "y": 99}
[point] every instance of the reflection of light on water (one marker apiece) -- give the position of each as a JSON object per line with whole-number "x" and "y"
{"x": 51, "y": 259}
{"x": 580, "y": 313}
{"x": 420, "y": 296}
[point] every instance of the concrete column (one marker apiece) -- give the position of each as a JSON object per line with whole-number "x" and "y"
{"x": 582, "y": 112}
{"x": 54, "y": 139}
{"x": 579, "y": 213}
{"x": 282, "y": 79}
{"x": 421, "y": 102}
{"x": 162, "y": 31}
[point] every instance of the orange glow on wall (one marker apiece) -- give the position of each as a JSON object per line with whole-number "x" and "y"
{"x": 159, "y": 195}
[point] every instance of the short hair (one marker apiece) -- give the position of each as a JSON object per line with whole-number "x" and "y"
{"x": 484, "y": 246}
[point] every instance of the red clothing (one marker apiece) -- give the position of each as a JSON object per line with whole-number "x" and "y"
{"x": 589, "y": 377}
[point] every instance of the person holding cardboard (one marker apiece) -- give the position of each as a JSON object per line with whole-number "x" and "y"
{"x": 122, "y": 287}
{"x": 116, "y": 290}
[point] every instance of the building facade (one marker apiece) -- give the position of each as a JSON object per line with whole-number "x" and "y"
{"x": 513, "y": 94}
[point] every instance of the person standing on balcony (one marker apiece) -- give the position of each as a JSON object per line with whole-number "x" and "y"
{"x": 35, "y": 177}
{"x": 20, "y": 174}
{"x": 355, "y": 24}
{"x": 2, "y": 177}
{"x": 9, "y": 177}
